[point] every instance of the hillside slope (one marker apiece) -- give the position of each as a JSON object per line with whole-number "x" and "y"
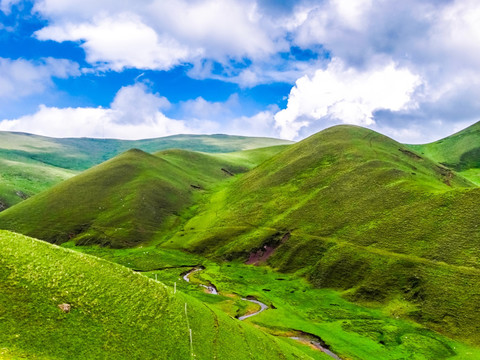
{"x": 30, "y": 164}
{"x": 351, "y": 209}
{"x": 460, "y": 151}
{"x": 347, "y": 183}
{"x": 21, "y": 177}
{"x": 114, "y": 313}
{"x": 127, "y": 200}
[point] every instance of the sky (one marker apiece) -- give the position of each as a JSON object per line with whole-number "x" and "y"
{"x": 135, "y": 69}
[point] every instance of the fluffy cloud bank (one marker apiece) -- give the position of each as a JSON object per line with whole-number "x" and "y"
{"x": 159, "y": 34}
{"x": 346, "y": 95}
{"x": 403, "y": 67}
{"x": 135, "y": 113}
{"x": 435, "y": 49}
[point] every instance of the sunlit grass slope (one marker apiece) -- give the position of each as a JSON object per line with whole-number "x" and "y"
{"x": 114, "y": 312}
{"x": 21, "y": 177}
{"x": 127, "y": 200}
{"x": 460, "y": 151}
{"x": 354, "y": 210}
{"x": 83, "y": 153}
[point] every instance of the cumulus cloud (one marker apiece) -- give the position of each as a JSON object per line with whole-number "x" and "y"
{"x": 344, "y": 94}
{"x": 19, "y": 78}
{"x": 135, "y": 113}
{"x": 430, "y": 50}
{"x": 159, "y": 34}
{"x": 225, "y": 115}
{"x": 120, "y": 42}
{"x": 259, "y": 124}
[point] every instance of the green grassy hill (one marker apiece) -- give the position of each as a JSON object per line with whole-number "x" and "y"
{"x": 127, "y": 200}
{"x": 21, "y": 177}
{"x": 460, "y": 151}
{"x": 353, "y": 210}
{"x": 347, "y": 208}
{"x": 30, "y": 164}
{"x": 114, "y": 312}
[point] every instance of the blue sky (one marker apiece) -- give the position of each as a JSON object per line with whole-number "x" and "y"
{"x": 150, "y": 68}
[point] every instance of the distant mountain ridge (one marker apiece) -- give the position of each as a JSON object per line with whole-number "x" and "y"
{"x": 83, "y": 153}
{"x": 30, "y": 163}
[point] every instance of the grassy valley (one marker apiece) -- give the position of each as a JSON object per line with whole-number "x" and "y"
{"x": 349, "y": 237}
{"x": 353, "y": 210}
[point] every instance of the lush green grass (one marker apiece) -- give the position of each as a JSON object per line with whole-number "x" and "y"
{"x": 460, "y": 151}
{"x": 128, "y": 200}
{"x": 115, "y": 313}
{"x": 364, "y": 214}
{"x": 346, "y": 209}
{"x": 352, "y": 331}
{"x": 22, "y": 177}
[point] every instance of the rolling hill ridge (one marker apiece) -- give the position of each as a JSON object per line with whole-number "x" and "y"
{"x": 127, "y": 200}
{"x": 30, "y": 164}
{"x": 460, "y": 151}
{"x": 353, "y": 210}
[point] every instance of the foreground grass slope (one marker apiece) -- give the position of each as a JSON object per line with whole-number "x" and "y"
{"x": 353, "y": 210}
{"x": 127, "y": 200}
{"x": 83, "y": 153}
{"x": 460, "y": 151}
{"x": 115, "y": 313}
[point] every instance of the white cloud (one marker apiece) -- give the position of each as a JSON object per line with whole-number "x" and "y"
{"x": 134, "y": 114}
{"x": 120, "y": 42}
{"x": 202, "y": 109}
{"x": 274, "y": 69}
{"x": 456, "y": 33}
{"x": 135, "y": 105}
{"x": 160, "y": 34}
{"x": 19, "y": 78}
{"x": 260, "y": 124}
{"x": 346, "y": 95}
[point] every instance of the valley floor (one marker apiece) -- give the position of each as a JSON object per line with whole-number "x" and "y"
{"x": 297, "y": 313}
